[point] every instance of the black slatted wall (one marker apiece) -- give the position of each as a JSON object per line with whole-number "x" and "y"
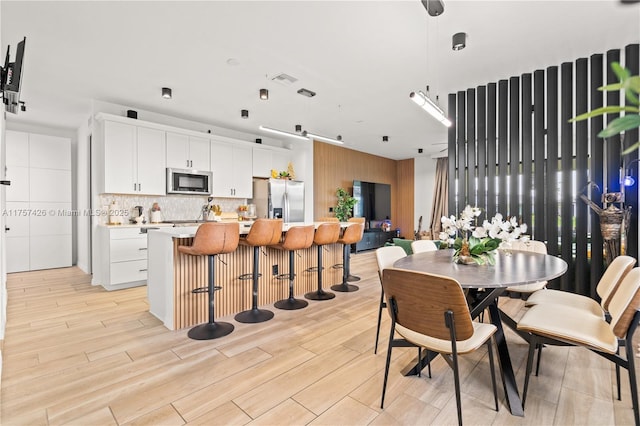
{"x": 512, "y": 150}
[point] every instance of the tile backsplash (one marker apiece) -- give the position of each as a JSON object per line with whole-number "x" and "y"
{"x": 172, "y": 207}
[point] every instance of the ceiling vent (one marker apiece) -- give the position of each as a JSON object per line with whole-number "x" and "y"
{"x": 306, "y": 92}
{"x": 284, "y": 79}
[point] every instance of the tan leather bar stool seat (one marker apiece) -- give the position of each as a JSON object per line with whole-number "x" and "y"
{"x": 327, "y": 233}
{"x": 263, "y": 232}
{"x": 212, "y": 239}
{"x": 351, "y": 235}
{"x": 296, "y": 238}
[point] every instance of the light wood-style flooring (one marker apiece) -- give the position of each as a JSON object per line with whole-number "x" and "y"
{"x": 77, "y": 354}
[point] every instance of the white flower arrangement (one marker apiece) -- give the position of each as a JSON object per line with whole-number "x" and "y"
{"x": 479, "y": 242}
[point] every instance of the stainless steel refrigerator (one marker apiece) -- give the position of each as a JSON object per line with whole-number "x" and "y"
{"x": 279, "y": 198}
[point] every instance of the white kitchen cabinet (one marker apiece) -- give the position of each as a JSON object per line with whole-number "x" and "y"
{"x": 232, "y": 168}
{"x": 262, "y": 162}
{"x": 124, "y": 260}
{"x": 187, "y": 152}
{"x": 134, "y": 159}
{"x": 151, "y": 162}
{"x": 267, "y": 158}
{"x": 120, "y": 170}
{"x": 280, "y": 160}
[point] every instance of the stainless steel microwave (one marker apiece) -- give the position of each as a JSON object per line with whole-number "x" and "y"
{"x": 188, "y": 181}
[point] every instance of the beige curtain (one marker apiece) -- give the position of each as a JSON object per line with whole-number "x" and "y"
{"x": 440, "y": 197}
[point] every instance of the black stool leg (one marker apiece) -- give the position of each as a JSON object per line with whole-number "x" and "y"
{"x": 212, "y": 329}
{"x": 320, "y": 294}
{"x": 352, "y": 278}
{"x": 254, "y": 314}
{"x": 291, "y": 303}
{"x": 346, "y": 266}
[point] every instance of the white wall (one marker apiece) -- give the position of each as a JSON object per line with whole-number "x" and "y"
{"x": 3, "y": 246}
{"x": 424, "y": 180}
{"x": 83, "y": 198}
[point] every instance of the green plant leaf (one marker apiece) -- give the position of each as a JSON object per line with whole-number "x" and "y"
{"x": 633, "y": 83}
{"x": 632, "y": 148}
{"x": 611, "y": 87}
{"x": 611, "y": 109}
{"x": 620, "y": 124}
{"x": 620, "y": 72}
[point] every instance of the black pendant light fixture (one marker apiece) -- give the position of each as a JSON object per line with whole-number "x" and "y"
{"x": 166, "y": 92}
{"x": 264, "y": 94}
{"x": 459, "y": 41}
{"x": 244, "y": 113}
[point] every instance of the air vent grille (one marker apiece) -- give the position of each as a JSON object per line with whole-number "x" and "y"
{"x": 285, "y": 79}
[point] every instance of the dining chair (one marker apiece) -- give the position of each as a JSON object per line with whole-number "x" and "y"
{"x": 609, "y": 281}
{"x": 430, "y": 311}
{"x": 605, "y": 289}
{"x": 385, "y": 257}
{"x": 531, "y": 246}
{"x": 419, "y": 246}
{"x": 578, "y": 327}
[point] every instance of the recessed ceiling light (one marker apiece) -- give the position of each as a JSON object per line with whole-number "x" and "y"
{"x": 459, "y": 41}
{"x": 306, "y": 92}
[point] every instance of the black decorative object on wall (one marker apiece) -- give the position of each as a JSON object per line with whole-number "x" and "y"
{"x": 512, "y": 150}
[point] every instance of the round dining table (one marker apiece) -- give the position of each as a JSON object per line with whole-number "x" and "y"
{"x": 486, "y": 284}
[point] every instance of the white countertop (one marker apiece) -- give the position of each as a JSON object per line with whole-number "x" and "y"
{"x": 190, "y": 231}
{"x": 141, "y": 225}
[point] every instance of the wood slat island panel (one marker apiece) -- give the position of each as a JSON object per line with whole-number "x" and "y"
{"x": 173, "y": 275}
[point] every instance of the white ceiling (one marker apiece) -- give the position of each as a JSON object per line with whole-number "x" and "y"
{"x": 362, "y": 58}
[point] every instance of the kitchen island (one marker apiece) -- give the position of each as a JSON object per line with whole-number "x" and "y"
{"x": 172, "y": 275}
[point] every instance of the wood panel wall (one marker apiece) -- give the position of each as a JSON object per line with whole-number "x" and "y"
{"x": 335, "y": 166}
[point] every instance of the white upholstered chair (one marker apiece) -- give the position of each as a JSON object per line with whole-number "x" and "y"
{"x": 386, "y": 257}
{"x": 419, "y": 246}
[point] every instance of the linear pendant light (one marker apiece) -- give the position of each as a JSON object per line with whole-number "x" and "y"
{"x": 431, "y": 107}
{"x": 322, "y": 138}
{"x": 283, "y": 133}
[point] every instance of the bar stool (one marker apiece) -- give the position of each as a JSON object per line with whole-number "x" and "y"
{"x": 351, "y": 235}
{"x": 210, "y": 240}
{"x": 296, "y": 238}
{"x": 361, "y": 220}
{"x": 327, "y": 233}
{"x": 263, "y": 232}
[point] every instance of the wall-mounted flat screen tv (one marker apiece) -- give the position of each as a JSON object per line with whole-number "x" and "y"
{"x": 373, "y": 201}
{"x": 12, "y": 79}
